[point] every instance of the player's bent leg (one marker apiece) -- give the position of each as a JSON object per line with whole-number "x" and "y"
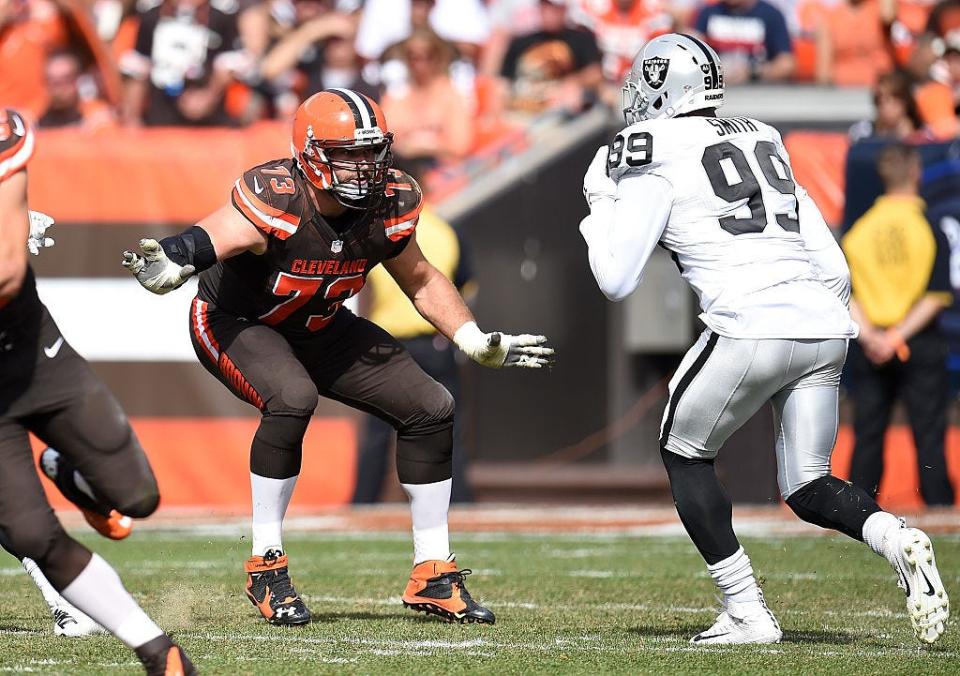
{"x": 98, "y": 463}
{"x": 259, "y": 367}
{"x": 377, "y": 375}
{"x": 806, "y": 424}
{"x": 67, "y": 620}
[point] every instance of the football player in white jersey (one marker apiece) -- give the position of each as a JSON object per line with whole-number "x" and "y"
{"x": 773, "y": 286}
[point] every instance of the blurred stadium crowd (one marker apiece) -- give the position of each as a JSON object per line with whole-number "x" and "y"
{"x": 452, "y": 75}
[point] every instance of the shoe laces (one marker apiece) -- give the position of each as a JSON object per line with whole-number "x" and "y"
{"x": 457, "y": 577}
{"x": 62, "y": 618}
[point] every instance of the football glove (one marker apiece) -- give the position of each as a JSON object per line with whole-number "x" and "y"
{"x": 154, "y": 270}
{"x": 597, "y": 185}
{"x": 498, "y": 350}
{"x": 37, "y": 239}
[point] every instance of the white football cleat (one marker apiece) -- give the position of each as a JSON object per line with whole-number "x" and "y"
{"x": 734, "y": 626}
{"x": 70, "y": 622}
{"x": 911, "y": 555}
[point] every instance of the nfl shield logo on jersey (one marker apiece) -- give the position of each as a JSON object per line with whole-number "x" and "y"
{"x": 336, "y": 246}
{"x": 655, "y": 71}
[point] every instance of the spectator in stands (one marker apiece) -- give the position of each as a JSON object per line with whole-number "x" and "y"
{"x": 944, "y": 20}
{"x": 555, "y": 67}
{"x": 311, "y": 51}
{"x": 388, "y": 22}
{"x": 934, "y": 96}
{"x": 900, "y": 274}
{"x": 854, "y": 58}
{"x": 622, "y": 28}
{"x": 752, "y": 39}
{"x": 896, "y": 115}
{"x": 391, "y": 309}
{"x": 185, "y": 56}
{"x": 29, "y": 31}
{"x": 508, "y": 18}
{"x": 66, "y": 107}
{"x": 430, "y": 118}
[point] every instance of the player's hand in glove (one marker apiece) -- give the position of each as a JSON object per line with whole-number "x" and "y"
{"x": 154, "y": 270}
{"x": 37, "y": 239}
{"x": 597, "y": 185}
{"x": 497, "y": 350}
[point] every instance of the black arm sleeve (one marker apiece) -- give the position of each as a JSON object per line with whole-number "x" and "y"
{"x": 190, "y": 247}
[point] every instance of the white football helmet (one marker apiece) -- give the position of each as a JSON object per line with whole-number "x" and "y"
{"x": 673, "y": 74}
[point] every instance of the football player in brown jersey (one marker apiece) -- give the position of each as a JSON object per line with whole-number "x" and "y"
{"x": 50, "y": 390}
{"x": 297, "y": 239}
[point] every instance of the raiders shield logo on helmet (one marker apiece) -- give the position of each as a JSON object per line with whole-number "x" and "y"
{"x": 655, "y": 71}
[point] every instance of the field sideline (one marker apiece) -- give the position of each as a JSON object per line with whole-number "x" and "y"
{"x": 609, "y": 590}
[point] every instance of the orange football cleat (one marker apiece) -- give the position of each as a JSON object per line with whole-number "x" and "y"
{"x": 437, "y": 588}
{"x": 115, "y": 525}
{"x": 270, "y": 589}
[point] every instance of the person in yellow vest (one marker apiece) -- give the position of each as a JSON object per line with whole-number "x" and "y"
{"x": 392, "y": 311}
{"x": 899, "y": 270}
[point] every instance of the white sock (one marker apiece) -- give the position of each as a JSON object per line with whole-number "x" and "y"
{"x": 878, "y": 527}
{"x": 99, "y": 593}
{"x": 270, "y": 500}
{"x": 50, "y": 595}
{"x": 734, "y": 577}
{"x": 429, "y": 504}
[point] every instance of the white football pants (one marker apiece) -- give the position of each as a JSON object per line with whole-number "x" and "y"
{"x": 722, "y": 382}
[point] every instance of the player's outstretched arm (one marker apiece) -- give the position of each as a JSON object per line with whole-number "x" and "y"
{"x": 162, "y": 266}
{"x": 439, "y": 302}
{"x": 14, "y": 230}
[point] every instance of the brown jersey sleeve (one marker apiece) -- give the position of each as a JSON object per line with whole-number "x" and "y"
{"x": 404, "y": 203}
{"x": 16, "y": 143}
{"x": 269, "y": 197}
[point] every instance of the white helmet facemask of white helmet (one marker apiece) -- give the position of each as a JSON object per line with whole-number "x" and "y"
{"x": 673, "y": 74}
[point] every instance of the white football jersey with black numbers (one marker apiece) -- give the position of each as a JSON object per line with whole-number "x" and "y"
{"x": 734, "y": 228}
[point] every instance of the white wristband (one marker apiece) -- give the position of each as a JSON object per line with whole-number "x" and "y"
{"x": 470, "y": 338}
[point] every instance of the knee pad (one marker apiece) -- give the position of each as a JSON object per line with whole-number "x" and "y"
{"x": 33, "y": 535}
{"x": 297, "y": 398}
{"x": 143, "y": 503}
{"x": 436, "y": 412}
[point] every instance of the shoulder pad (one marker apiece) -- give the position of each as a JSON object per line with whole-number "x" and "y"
{"x": 269, "y": 196}
{"x": 16, "y": 142}
{"x": 404, "y": 201}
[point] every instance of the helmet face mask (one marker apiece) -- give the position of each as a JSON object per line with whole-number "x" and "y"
{"x": 342, "y": 145}
{"x": 355, "y": 174}
{"x": 672, "y": 75}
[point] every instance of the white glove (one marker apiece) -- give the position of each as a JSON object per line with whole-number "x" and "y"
{"x": 37, "y": 239}
{"x": 154, "y": 270}
{"x": 497, "y": 350}
{"x": 597, "y": 185}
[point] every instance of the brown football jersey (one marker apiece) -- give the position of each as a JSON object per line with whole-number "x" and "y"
{"x": 312, "y": 263}
{"x": 16, "y": 149}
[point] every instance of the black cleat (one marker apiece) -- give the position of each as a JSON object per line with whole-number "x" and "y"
{"x": 270, "y": 589}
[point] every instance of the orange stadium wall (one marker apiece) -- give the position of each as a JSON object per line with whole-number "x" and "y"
{"x": 136, "y": 181}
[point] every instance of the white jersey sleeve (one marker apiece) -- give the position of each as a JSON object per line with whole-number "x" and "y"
{"x": 748, "y": 240}
{"x": 621, "y": 234}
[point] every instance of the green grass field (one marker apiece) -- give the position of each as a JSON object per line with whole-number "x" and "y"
{"x": 597, "y": 604}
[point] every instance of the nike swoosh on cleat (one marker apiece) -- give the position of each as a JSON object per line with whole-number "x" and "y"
{"x": 52, "y": 351}
{"x": 929, "y": 591}
{"x": 903, "y": 578}
{"x": 701, "y": 637}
